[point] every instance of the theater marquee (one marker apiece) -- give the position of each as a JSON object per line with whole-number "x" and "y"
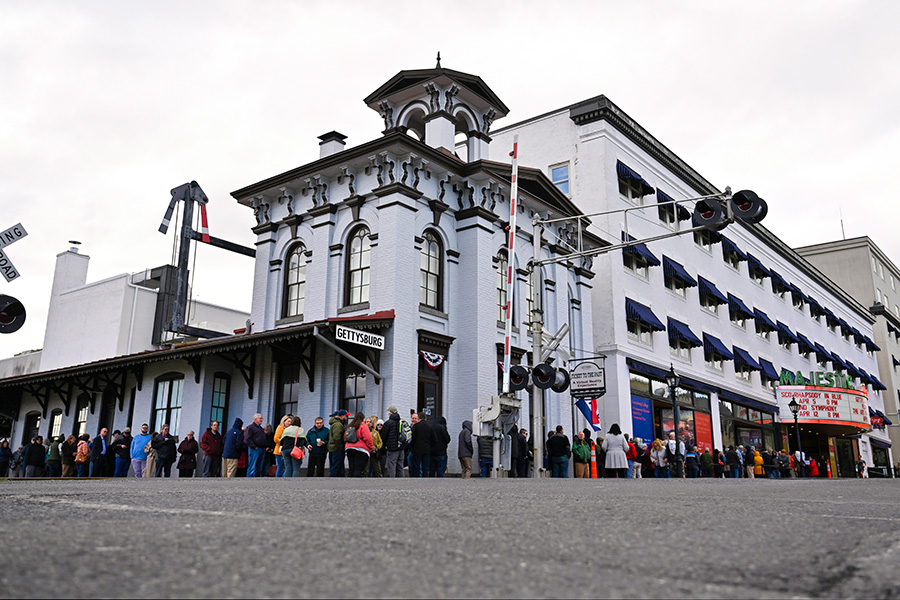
{"x": 826, "y": 405}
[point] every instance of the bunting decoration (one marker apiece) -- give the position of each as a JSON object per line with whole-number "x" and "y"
{"x": 432, "y": 360}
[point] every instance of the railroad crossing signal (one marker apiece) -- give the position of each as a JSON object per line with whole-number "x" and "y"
{"x": 10, "y": 236}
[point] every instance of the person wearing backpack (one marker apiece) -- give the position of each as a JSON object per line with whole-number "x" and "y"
{"x": 358, "y": 445}
{"x": 336, "y": 443}
{"x": 391, "y": 436}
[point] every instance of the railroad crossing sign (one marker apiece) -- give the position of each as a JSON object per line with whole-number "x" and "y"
{"x": 10, "y": 236}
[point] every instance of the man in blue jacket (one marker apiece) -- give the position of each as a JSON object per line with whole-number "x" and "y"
{"x": 317, "y": 438}
{"x": 234, "y": 445}
{"x": 138, "y": 455}
{"x": 255, "y": 439}
{"x": 99, "y": 448}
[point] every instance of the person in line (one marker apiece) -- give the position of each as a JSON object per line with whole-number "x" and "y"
{"x": 166, "y": 452}
{"x": 485, "y": 456}
{"x": 718, "y": 464}
{"x": 559, "y": 450}
{"x": 639, "y": 452}
{"x": 150, "y": 469}
{"x": 83, "y": 456}
{"x": 213, "y": 446}
{"x": 269, "y": 468}
{"x": 464, "y": 449}
{"x": 616, "y": 447}
{"x": 440, "y": 441}
{"x": 750, "y": 462}
{"x": 757, "y": 464}
{"x": 529, "y": 452}
{"x": 860, "y": 468}
{"x": 521, "y": 465}
{"x": 317, "y": 447}
{"x": 675, "y": 456}
{"x": 394, "y": 446}
{"x": 120, "y": 447}
{"x": 630, "y": 456}
{"x": 732, "y": 463}
{"x": 139, "y": 452}
{"x": 256, "y": 442}
{"x": 283, "y": 424}
{"x": 420, "y": 447}
{"x": 813, "y": 467}
{"x": 99, "y": 448}
{"x": 374, "y": 468}
{"x": 706, "y": 463}
{"x": 33, "y": 458}
{"x": 581, "y": 456}
{"x": 691, "y": 461}
{"x": 658, "y": 459}
{"x": 336, "y": 444}
{"x": 6, "y": 458}
{"x": 359, "y": 445}
{"x": 54, "y": 463}
{"x": 234, "y": 446}
{"x": 188, "y": 449}
{"x": 67, "y": 451}
{"x": 292, "y": 436}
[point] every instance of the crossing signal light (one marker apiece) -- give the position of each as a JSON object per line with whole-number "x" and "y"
{"x": 561, "y": 381}
{"x": 518, "y": 378}
{"x": 543, "y": 376}
{"x": 748, "y": 207}
{"x": 710, "y": 214}
{"x": 12, "y": 314}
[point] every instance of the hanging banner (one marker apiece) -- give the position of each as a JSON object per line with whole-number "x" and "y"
{"x": 432, "y": 360}
{"x": 589, "y": 410}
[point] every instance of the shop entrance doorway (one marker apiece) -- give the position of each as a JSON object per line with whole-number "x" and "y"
{"x": 845, "y": 458}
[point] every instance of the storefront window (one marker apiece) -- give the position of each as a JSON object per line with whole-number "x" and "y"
{"x": 701, "y": 400}
{"x": 640, "y": 384}
{"x": 686, "y": 430}
{"x": 727, "y": 433}
{"x": 725, "y": 409}
{"x": 659, "y": 388}
{"x": 684, "y": 396}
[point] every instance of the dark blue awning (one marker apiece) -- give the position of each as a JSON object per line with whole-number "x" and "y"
{"x": 707, "y": 288}
{"x": 639, "y": 249}
{"x": 645, "y": 369}
{"x": 880, "y": 443}
{"x": 805, "y": 344}
{"x": 865, "y": 377}
{"x": 768, "y": 369}
{"x": 625, "y": 172}
{"x": 870, "y": 345}
{"x": 737, "y": 306}
{"x": 892, "y": 329}
{"x": 857, "y": 335}
{"x": 635, "y": 311}
{"x": 742, "y": 358}
{"x": 755, "y": 264}
{"x": 839, "y": 362}
{"x": 830, "y": 317}
{"x": 894, "y": 360}
{"x": 823, "y": 354}
{"x": 680, "y": 331}
{"x": 785, "y": 331}
{"x": 730, "y": 247}
{"x": 693, "y": 384}
{"x": 673, "y": 269}
{"x": 683, "y": 213}
{"x": 763, "y": 319}
{"x": 853, "y": 370}
{"x": 748, "y": 402}
{"x": 884, "y": 416}
{"x": 713, "y": 345}
{"x": 815, "y": 309}
{"x": 796, "y": 294}
{"x": 876, "y": 384}
{"x": 846, "y": 329}
{"x": 778, "y": 279}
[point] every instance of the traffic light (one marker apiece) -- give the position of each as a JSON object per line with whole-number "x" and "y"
{"x": 748, "y": 207}
{"x": 561, "y": 381}
{"x": 518, "y": 378}
{"x": 709, "y": 213}
{"x": 12, "y": 314}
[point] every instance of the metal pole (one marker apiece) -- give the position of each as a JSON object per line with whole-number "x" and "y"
{"x": 676, "y": 415}
{"x": 181, "y": 277}
{"x": 539, "y": 434}
{"x": 800, "y": 467}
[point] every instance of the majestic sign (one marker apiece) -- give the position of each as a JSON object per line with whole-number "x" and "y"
{"x": 11, "y": 235}
{"x": 826, "y": 406}
{"x": 363, "y": 338}
{"x": 819, "y": 379}
{"x": 587, "y": 381}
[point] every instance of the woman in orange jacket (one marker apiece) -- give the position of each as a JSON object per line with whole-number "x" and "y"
{"x": 279, "y": 431}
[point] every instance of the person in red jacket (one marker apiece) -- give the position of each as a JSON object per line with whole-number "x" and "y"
{"x": 813, "y": 467}
{"x": 213, "y": 445}
{"x": 630, "y": 456}
{"x": 358, "y": 444}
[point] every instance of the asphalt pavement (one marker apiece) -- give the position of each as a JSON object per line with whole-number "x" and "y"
{"x": 449, "y": 538}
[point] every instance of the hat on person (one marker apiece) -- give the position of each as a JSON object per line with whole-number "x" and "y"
{"x": 126, "y": 430}
{"x": 392, "y": 409}
{"x": 380, "y": 422}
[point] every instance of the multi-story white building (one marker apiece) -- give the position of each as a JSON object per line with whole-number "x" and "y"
{"x": 730, "y": 310}
{"x": 399, "y": 238}
{"x": 861, "y": 268}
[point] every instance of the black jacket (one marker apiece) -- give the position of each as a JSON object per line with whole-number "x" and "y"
{"x": 441, "y": 437}
{"x": 464, "y": 444}
{"x": 485, "y": 448}
{"x": 255, "y": 436}
{"x": 97, "y": 449}
{"x": 234, "y": 440}
{"x": 422, "y": 438}
{"x": 33, "y": 455}
{"x": 558, "y": 445}
{"x": 165, "y": 448}
{"x": 390, "y": 433}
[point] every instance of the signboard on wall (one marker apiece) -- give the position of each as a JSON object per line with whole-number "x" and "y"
{"x": 826, "y": 406}
{"x": 363, "y": 338}
{"x": 642, "y": 419}
{"x": 587, "y": 381}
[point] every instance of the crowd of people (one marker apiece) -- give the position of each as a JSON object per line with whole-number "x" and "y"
{"x": 361, "y": 446}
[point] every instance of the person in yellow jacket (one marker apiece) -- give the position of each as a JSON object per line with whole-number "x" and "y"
{"x": 757, "y": 463}
{"x": 279, "y": 431}
{"x": 374, "y": 469}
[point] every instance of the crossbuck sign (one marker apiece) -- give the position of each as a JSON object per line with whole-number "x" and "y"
{"x": 11, "y": 235}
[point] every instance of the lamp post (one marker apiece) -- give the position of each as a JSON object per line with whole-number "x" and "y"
{"x": 795, "y": 408}
{"x": 672, "y": 380}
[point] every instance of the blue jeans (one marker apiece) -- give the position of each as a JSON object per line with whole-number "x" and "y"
{"x": 122, "y": 465}
{"x": 54, "y": 470}
{"x": 691, "y": 470}
{"x": 419, "y": 464}
{"x": 629, "y": 472}
{"x": 279, "y": 465}
{"x": 486, "y": 465}
{"x": 81, "y": 469}
{"x": 292, "y": 466}
{"x": 254, "y": 461}
{"x": 662, "y": 472}
{"x": 336, "y": 463}
{"x": 734, "y": 473}
{"x": 774, "y": 473}
{"x": 97, "y": 467}
{"x": 560, "y": 466}
{"x": 438, "y": 466}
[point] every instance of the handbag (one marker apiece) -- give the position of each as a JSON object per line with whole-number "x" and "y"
{"x": 297, "y": 451}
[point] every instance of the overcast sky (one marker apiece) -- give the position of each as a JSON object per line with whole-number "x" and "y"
{"x": 106, "y": 106}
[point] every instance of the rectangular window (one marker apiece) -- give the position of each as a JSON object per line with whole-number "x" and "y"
{"x": 675, "y": 285}
{"x": 667, "y": 215}
{"x": 762, "y": 331}
{"x": 55, "y": 424}
{"x": 732, "y": 260}
{"x": 630, "y": 189}
{"x": 797, "y": 301}
{"x": 757, "y": 276}
{"x": 680, "y": 349}
{"x": 703, "y": 238}
{"x": 559, "y": 175}
{"x": 784, "y": 342}
{"x": 739, "y": 319}
{"x": 81, "y": 418}
{"x": 639, "y": 383}
{"x": 640, "y": 332}
{"x": 742, "y": 373}
{"x": 709, "y": 303}
{"x": 219, "y": 409}
{"x": 778, "y": 289}
{"x": 167, "y": 408}
{"x": 636, "y": 264}
{"x": 713, "y": 361}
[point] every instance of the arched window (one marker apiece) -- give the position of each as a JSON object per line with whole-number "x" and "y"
{"x": 167, "y": 404}
{"x": 502, "y": 274}
{"x": 358, "y": 267}
{"x": 431, "y": 284}
{"x": 82, "y": 408}
{"x": 295, "y": 282}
